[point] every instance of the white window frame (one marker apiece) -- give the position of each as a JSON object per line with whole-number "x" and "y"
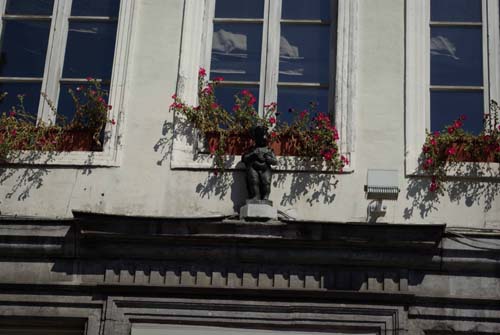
{"x": 197, "y": 27}
{"x": 417, "y": 82}
{"x": 111, "y": 151}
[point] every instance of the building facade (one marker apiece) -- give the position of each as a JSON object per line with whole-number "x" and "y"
{"x": 142, "y": 237}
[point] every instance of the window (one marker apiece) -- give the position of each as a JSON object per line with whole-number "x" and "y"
{"x": 279, "y": 50}
{"x": 452, "y": 60}
{"x": 282, "y": 51}
{"x": 52, "y": 45}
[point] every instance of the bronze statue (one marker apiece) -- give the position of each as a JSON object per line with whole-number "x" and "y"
{"x": 258, "y": 162}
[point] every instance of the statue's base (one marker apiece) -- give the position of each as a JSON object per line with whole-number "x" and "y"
{"x": 258, "y": 210}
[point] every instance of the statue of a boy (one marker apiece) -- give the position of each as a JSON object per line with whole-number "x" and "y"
{"x": 258, "y": 162}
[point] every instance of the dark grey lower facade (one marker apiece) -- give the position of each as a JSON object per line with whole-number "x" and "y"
{"x": 108, "y": 275}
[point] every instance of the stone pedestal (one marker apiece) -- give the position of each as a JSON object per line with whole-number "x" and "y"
{"x": 258, "y": 210}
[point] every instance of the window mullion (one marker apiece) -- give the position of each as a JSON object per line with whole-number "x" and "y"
{"x": 486, "y": 52}
{"x": 55, "y": 58}
{"x": 493, "y": 49}
{"x": 207, "y": 37}
{"x": 270, "y": 54}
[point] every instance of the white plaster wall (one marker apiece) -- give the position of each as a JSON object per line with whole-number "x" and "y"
{"x": 145, "y": 185}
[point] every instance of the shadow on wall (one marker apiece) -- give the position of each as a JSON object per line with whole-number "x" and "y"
{"x": 26, "y": 176}
{"x": 478, "y": 190}
{"x": 313, "y": 187}
{"x": 164, "y": 145}
{"x": 219, "y": 186}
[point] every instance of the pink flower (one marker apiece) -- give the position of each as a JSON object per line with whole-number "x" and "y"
{"x": 429, "y": 161}
{"x": 174, "y": 96}
{"x": 451, "y": 129}
{"x": 245, "y": 92}
{"x": 236, "y": 108}
{"x": 451, "y": 151}
{"x": 272, "y": 120}
{"x": 344, "y": 159}
{"x": 208, "y": 90}
{"x": 252, "y": 100}
{"x": 327, "y": 155}
{"x": 202, "y": 72}
{"x": 457, "y": 124}
{"x": 433, "y": 141}
{"x": 436, "y": 133}
{"x": 212, "y": 148}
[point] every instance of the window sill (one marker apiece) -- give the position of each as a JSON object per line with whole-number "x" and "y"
{"x": 66, "y": 158}
{"x": 466, "y": 170}
{"x": 285, "y": 163}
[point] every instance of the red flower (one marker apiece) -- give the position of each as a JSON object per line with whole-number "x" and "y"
{"x": 252, "y": 100}
{"x": 429, "y": 161}
{"x": 236, "y": 108}
{"x": 246, "y": 92}
{"x": 272, "y": 120}
{"x": 202, "y": 72}
{"x": 458, "y": 124}
{"x": 303, "y": 113}
{"x": 344, "y": 159}
{"x": 426, "y": 149}
{"x": 316, "y": 137}
{"x": 433, "y": 141}
{"x": 274, "y": 134}
{"x": 219, "y": 79}
{"x": 12, "y": 113}
{"x": 89, "y": 78}
{"x": 174, "y": 96}
{"x": 433, "y": 187}
{"x": 110, "y": 107}
{"x": 214, "y": 105}
{"x": 113, "y": 122}
{"x": 208, "y": 90}
{"x": 436, "y": 133}
{"x": 13, "y": 132}
{"x": 463, "y": 117}
{"x": 451, "y": 129}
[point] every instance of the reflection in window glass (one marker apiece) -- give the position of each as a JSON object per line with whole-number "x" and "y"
{"x": 29, "y": 7}
{"x": 239, "y": 9}
{"x": 236, "y": 51}
{"x": 225, "y": 95}
{"x": 95, "y": 8}
{"x": 299, "y": 99}
{"x": 446, "y": 107}
{"x": 24, "y": 48}
{"x": 456, "y": 10}
{"x": 304, "y": 53}
{"x": 31, "y": 92}
{"x": 456, "y": 56}
{"x": 90, "y": 50}
{"x": 306, "y": 9}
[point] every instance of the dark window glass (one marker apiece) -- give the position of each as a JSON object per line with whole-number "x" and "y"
{"x": 456, "y": 56}
{"x": 29, "y": 7}
{"x": 300, "y": 99}
{"x": 306, "y": 9}
{"x": 225, "y": 95}
{"x": 446, "y": 107}
{"x": 236, "y": 51}
{"x": 95, "y": 8}
{"x": 24, "y": 48}
{"x": 239, "y": 9}
{"x": 456, "y": 10}
{"x": 31, "y": 92}
{"x": 90, "y": 50}
{"x": 65, "y": 106}
{"x": 304, "y": 53}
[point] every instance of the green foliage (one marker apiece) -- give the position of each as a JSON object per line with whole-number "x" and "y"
{"x": 453, "y": 144}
